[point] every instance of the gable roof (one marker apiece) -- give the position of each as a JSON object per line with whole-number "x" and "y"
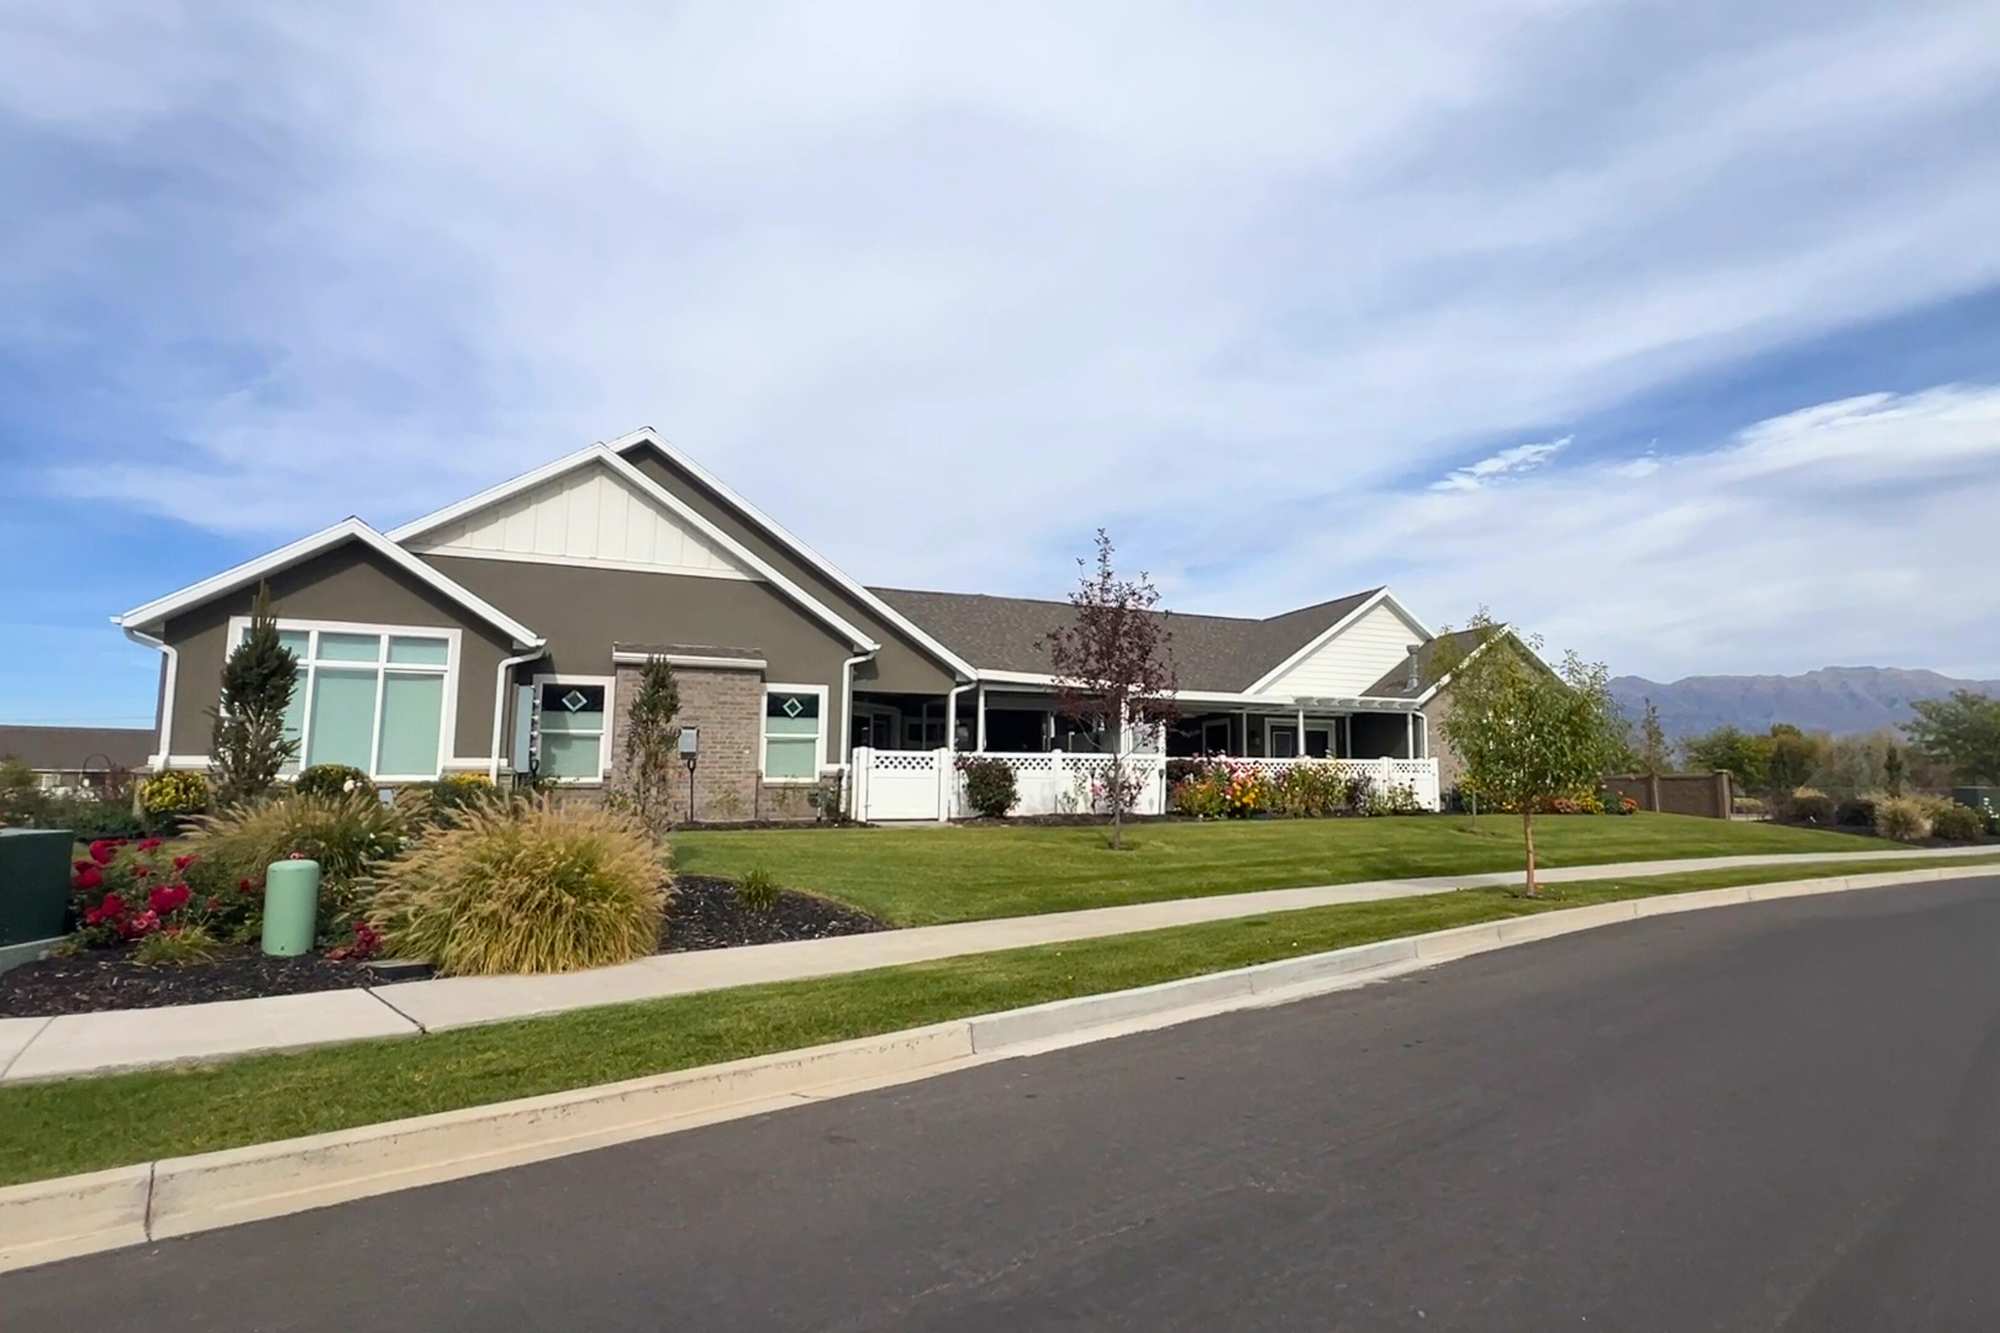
{"x": 647, "y": 438}
{"x": 1396, "y": 684}
{"x": 608, "y": 456}
{"x": 1222, "y": 654}
{"x": 69, "y": 749}
{"x": 347, "y": 530}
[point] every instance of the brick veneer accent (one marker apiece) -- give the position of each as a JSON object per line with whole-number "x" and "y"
{"x": 728, "y": 707}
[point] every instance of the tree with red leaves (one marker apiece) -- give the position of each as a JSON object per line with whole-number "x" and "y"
{"x": 1115, "y": 658}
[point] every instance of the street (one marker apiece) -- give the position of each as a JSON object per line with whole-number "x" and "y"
{"x": 1781, "y": 1116}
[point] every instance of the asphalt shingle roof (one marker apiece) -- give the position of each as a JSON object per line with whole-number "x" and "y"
{"x": 1396, "y": 684}
{"x": 1226, "y": 654}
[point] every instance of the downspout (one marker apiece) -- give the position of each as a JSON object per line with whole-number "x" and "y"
{"x": 847, "y": 705}
{"x": 173, "y": 656}
{"x": 500, "y": 674}
{"x": 951, "y": 715}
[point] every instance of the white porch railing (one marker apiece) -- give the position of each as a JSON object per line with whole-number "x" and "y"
{"x": 926, "y": 784}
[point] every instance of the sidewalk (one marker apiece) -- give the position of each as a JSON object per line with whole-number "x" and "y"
{"x": 39, "y": 1048}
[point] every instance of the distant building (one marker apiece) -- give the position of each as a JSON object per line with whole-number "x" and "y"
{"x": 67, "y": 758}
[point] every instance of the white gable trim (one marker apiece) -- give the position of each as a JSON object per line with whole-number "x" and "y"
{"x": 647, "y": 436}
{"x": 348, "y": 529}
{"x": 1381, "y": 598}
{"x": 1499, "y": 632}
{"x": 609, "y": 457}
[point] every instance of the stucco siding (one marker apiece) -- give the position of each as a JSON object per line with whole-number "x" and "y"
{"x": 349, "y": 583}
{"x": 1352, "y": 660}
{"x": 902, "y": 667}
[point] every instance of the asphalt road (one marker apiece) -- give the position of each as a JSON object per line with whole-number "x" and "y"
{"x": 1784, "y": 1116}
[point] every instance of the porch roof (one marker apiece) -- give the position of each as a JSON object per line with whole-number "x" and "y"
{"x": 1212, "y": 654}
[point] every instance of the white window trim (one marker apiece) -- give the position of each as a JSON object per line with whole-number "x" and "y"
{"x": 448, "y": 714}
{"x": 764, "y": 734}
{"x": 610, "y": 684}
{"x": 1209, "y": 726}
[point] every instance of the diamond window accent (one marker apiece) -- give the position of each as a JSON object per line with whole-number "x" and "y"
{"x": 791, "y": 707}
{"x": 574, "y": 700}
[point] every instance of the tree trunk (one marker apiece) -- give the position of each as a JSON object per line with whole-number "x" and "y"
{"x": 1117, "y": 798}
{"x": 1528, "y": 837}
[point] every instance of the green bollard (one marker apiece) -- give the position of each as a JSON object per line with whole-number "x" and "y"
{"x": 291, "y": 907}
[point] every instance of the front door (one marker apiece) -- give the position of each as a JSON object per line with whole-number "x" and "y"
{"x": 1284, "y": 741}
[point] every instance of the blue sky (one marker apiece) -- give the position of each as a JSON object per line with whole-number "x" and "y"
{"x": 1670, "y": 332}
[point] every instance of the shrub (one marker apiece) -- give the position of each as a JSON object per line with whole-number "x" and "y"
{"x": 428, "y": 802}
{"x": 176, "y": 946}
{"x": 1855, "y": 812}
{"x": 175, "y": 792}
{"x": 1247, "y": 791}
{"x": 88, "y": 818}
{"x": 524, "y": 886}
{"x": 332, "y": 780}
{"x": 758, "y": 893}
{"x": 1901, "y": 818}
{"x": 1179, "y": 770}
{"x": 1199, "y": 795}
{"x": 125, "y": 891}
{"x": 1748, "y": 805}
{"x": 1400, "y": 798}
{"x": 1313, "y": 791}
{"x": 1809, "y": 806}
{"x": 1959, "y": 823}
{"x": 825, "y": 800}
{"x": 348, "y": 835}
{"x": 989, "y": 785}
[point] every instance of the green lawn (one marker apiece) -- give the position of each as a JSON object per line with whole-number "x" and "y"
{"x": 922, "y": 876}
{"x": 55, "y": 1129}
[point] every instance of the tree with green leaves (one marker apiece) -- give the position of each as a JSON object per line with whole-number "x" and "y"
{"x": 1733, "y": 751}
{"x": 1790, "y": 756}
{"x": 1962, "y": 732}
{"x": 1526, "y": 732}
{"x": 248, "y": 746}
{"x": 1892, "y": 770}
{"x": 652, "y": 744}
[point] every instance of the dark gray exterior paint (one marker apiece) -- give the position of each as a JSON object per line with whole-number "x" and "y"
{"x": 903, "y": 666}
{"x": 349, "y": 583}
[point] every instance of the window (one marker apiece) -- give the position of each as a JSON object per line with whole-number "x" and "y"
{"x": 377, "y": 697}
{"x": 794, "y": 732}
{"x": 575, "y": 732}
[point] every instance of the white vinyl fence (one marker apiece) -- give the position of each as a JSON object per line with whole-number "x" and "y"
{"x": 925, "y": 784}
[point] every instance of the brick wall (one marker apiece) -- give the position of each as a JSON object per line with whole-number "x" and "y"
{"x": 728, "y": 707}
{"x": 1451, "y": 769}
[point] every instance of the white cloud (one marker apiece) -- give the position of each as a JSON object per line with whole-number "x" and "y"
{"x": 1852, "y": 531}
{"x": 1508, "y": 462}
{"x": 904, "y": 271}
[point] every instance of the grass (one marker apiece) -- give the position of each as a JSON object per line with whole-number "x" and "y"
{"x": 924, "y": 876}
{"x": 53, "y": 1129}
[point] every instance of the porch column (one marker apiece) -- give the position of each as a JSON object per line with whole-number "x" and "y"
{"x": 1409, "y": 735}
{"x": 979, "y": 701}
{"x": 1299, "y": 745}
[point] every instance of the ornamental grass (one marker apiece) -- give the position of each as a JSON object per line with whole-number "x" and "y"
{"x": 524, "y": 886}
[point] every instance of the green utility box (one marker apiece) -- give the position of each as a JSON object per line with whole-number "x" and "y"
{"x": 34, "y": 883}
{"x": 291, "y": 907}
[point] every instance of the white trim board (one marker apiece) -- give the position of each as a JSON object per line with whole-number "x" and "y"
{"x": 608, "y": 457}
{"x": 1381, "y": 597}
{"x": 348, "y": 529}
{"x": 692, "y": 660}
{"x": 764, "y": 733}
{"x": 610, "y": 686}
{"x": 646, "y": 435}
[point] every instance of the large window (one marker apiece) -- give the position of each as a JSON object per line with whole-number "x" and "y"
{"x": 794, "y": 732}
{"x": 376, "y": 697}
{"x": 575, "y": 714}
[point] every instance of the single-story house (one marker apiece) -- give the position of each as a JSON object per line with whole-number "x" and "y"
{"x": 66, "y": 759}
{"x": 504, "y": 634}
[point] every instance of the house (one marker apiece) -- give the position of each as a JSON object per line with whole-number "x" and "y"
{"x": 67, "y": 759}
{"x": 505, "y": 633}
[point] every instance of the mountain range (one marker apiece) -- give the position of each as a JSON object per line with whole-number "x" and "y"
{"x": 1841, "y": 700}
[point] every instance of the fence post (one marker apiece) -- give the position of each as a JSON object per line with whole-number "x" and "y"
{"x": 1385, "y": 774}
{"x": 857, "y": 782}
{"x": 947, "y": 784}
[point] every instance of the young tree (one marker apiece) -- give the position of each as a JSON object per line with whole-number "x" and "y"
{"x": 1962, "y": 732}
{"x": 1655, "y": 755}
{"x": 1525, "y": 732}
{"x": 652, "y": 744}
{"x": 1115, "y": 656}
{"x": 1892, "y": 770}
{"x": 248, "y": 742}
{"x": 1730, "y": 750}
{"x": 1790, "y": 756}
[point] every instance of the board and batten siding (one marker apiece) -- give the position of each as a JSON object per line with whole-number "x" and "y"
{"x": 588, "y": 516}
{"x": 1353, "y": 659}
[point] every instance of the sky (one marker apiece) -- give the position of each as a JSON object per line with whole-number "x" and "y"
{"x": 1670, "y": 332}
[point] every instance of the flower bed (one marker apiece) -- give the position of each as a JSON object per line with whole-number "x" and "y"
{"x": 704, "y": 913}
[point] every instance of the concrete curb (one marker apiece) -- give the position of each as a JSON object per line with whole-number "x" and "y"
{"x": 44, "y": 1221}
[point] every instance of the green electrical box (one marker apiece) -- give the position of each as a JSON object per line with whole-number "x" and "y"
{"x": 34, "y": 884}
{"x": 291, "y": 907}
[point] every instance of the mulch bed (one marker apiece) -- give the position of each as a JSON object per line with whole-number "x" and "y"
{"x": 109, "y": 979}
{"x": 705, "y": 914}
